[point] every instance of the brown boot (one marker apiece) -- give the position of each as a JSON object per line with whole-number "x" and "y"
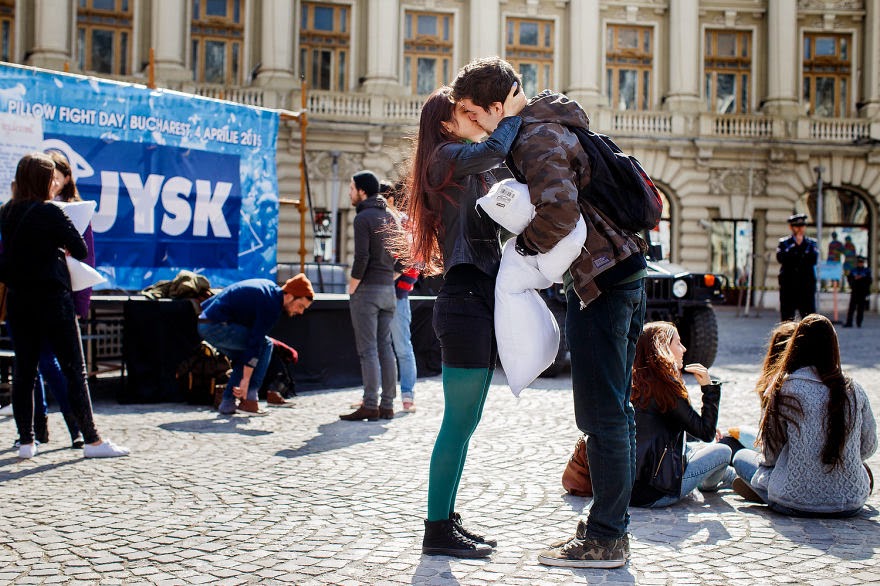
{"x": 275, "y": 398}
{"x": 361, "y": 414}
{"x": 386, "y": 413}
{"x": 251, "y": 407}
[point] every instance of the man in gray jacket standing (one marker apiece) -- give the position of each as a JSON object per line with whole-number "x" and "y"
{"x": 373, "y": 302}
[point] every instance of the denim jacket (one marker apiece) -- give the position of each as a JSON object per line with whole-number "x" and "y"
{"x": 467, "y": 237}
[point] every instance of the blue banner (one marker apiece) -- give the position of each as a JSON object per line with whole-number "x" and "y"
{"x": 181, "y": 182}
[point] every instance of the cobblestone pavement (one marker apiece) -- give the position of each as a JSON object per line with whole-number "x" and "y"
{"x": 302, "y": 497}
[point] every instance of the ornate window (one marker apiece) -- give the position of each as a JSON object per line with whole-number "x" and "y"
{"x": 827, "y": 71}
{"x": 629, "y": 58}
{"x": 728, "y": 64}
{"x": 662, "y": 234}
{"x": 427, "y": 50}
{"x": 325, "y": 45}
{"x": 103, "y": 36}
{"x": 7, "y": 29}
{"x": 529, "y": 48}
{"x": 217, "y": 38}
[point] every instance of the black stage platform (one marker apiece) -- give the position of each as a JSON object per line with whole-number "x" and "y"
{"x": 159, "y": 334}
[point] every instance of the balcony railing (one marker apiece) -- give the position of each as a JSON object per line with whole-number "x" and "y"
{"x": 404, "y": 110}
{"x": 736, "y": 125}
{"x": 839, "y": 129}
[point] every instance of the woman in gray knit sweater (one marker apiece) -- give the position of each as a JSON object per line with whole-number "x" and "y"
{"x": 816, "y": 432}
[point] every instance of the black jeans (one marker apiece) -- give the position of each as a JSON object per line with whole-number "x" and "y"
{"x": 33, "y": 321}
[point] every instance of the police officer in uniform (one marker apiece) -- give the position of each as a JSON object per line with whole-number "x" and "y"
{"x": 797, "y": 256}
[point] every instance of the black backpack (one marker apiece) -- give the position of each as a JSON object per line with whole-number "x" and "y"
{"x": 619, "y": 186}
{"x": 199, "y": 375}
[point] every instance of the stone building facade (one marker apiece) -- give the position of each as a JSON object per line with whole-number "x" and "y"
{"x": 733, "y": 106}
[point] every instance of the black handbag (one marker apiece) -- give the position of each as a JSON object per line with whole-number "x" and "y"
{"x": 667, "y": 474}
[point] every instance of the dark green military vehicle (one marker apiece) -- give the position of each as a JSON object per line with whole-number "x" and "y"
{"x": 675, "y": 295}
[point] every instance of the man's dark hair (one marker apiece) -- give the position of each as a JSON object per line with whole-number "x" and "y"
{"x": 485, "y": 81}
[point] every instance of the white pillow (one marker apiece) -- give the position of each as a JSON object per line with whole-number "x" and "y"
{"x": 509, "y": 204}
{"x": 82, "y": 276}
{"x": 558, "y": 259}
{"x": 79, "y": 212}
{"x": 525, "y": 330}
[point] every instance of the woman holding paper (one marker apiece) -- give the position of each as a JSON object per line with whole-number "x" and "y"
{"x": 36, "y": 236}
{"x": 450, "y": 171}
{"x": 63, "y": 190}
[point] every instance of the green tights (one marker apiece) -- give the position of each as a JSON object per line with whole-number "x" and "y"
{"x": 464, "y": 394}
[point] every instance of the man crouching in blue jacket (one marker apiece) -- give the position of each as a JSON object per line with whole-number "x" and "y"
{"x": 236, "y": 321}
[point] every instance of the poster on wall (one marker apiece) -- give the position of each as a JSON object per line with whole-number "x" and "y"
{"x": 181, "y": 182}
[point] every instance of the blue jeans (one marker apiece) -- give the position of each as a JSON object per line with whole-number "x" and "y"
{"x": 602, "y": 339}
{"x": 232, "y": 340}
{"x": 50, "y": 376}
{"x": 401, "y": 339}
{"x": 372, "y": 310}
{"x": 746, "y": 462}
{"x": 706, "y": 465}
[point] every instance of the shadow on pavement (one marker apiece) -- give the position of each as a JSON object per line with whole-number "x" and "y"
{"x": 829, "y": 536}
{"x": 7, "y": 472}
{"x": 336, "y": 435}
{"x": 433, "y": 568}
{"x": 218, "y": 425}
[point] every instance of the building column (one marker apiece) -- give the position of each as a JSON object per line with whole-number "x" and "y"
{"x": 168, "y": 40}
{"x": 586, "y": 53}
{"x": 52, "y": 31}
{"x": 276, "y": 46}
{"x": 684, "y": 56}
{"x": 871, "y": 62}
{"x": 383, "y": 18}
{"x": 782, "y": 65}
{"x": 485, "y": 29}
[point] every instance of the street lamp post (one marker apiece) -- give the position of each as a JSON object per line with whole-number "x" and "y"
{"x": 820, "y": 213}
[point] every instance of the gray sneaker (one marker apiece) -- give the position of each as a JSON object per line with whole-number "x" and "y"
{"x": 588, "y": 553}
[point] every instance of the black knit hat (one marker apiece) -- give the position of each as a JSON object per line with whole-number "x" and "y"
{"x": 367, "y": 182}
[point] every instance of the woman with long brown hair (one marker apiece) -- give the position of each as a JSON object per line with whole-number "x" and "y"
{"x": 450, "y": 171}
{"x": 668, "y": 468}
{"x": 63, "y": 190}
{"x": 816, "y": 432}
{"x": 36, "y": 236}
{"x": 738, "y": 438}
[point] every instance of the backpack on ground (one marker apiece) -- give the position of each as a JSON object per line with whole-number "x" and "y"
{"x": 279, "y": 373}
{"x": 619, "y": 187}
{"x": 199, "y": 375}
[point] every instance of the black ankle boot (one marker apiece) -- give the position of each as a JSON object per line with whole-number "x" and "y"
{"x": 76, "y": 438}
{"x": 476, "y": 537}
{"x": 41, "y": 428}
{"x": 443, "y": 538}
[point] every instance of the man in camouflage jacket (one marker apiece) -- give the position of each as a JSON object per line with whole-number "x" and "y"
{"x": 604, "y": 290}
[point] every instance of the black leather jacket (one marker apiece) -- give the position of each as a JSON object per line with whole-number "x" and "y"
{"x": 655, "y": 429}
{"x": 469, "y": 237}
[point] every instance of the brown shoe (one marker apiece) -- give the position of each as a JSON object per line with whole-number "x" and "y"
{"x": 275, "y": 398}
{"x": 743, "y": 489}
{"x": 386, "y": 413}
{"x": 251, "y": 407}
{"x": 361, "y": 414}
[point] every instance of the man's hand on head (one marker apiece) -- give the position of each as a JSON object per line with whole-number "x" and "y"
{"x": 515, "y": 101}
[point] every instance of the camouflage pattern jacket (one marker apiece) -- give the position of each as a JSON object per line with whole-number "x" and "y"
{"x": 549, "y": 157}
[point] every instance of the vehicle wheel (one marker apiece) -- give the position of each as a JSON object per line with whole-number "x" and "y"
{"x": 560, "y": 361}
{"x": 698, "y": 329}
